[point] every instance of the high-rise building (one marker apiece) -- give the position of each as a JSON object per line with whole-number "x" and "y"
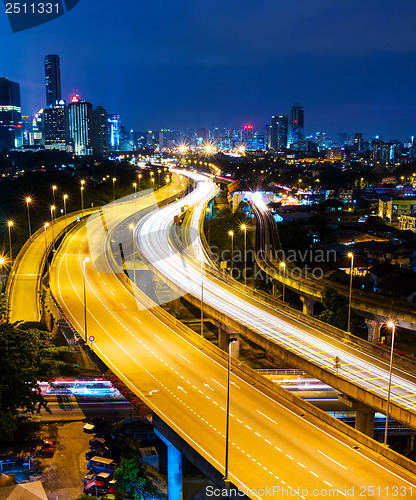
{"x": 358, "y": 142}
{"x": 55, "y": 119}
{"x": 295, "y": 136}
{"x": 278, "y": 138}
{"x": 114, "y": 129}
{"x": 52, "y": 80}
{"x": 10, "y": 115}
{"x": 80, "y": 117}
{"x": 100, "y": 131}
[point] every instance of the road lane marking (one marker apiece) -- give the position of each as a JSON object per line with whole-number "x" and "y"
{"x": 335, "y": 462}
{"x": 265, "y": 416}
{"x": 184, "y": 358}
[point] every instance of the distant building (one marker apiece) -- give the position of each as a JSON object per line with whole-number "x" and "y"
{"x": 380, "y": 151}
{"x": 256, "y": 142}
{"x": 80, "y": 116}
{"x": 52, "y": 80}
{"x": 358, "y": 142}
{"x": 395, "y": 208}
{"x": 278, "y": 137}
{"x": 114, "y": 130}
{"x": 336, "y": 153}
{"x": 10, "y": 115}
{"x": 295, "y": 136}
{"x": 100, "y": 143}
{"x": 56, "y": 126}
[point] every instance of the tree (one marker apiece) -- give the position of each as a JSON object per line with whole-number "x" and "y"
{"x": 28, "y": 356}
{"x": 336, "y": 308}
{"x": 131, "y": 479}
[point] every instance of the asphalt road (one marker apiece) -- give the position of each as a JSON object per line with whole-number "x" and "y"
{"x": 271, "y": 445}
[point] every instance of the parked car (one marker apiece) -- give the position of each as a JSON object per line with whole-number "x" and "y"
{"x": 47, "y": 447}
{"x": 97, "y": 442}
{"x": 94, "y": 424}
{"x": 98, "y": 452}
{"x": 100, "y": 464}
{"x": 98, "y": 488}
{"x": 106, "y": 477}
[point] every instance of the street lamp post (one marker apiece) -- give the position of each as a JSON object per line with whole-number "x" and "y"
{"x": 139, "y": 177}
{"x": 201, "y": 259}
{"x": 114, "y": 188}
{"x": 65, "y": 198}
{"x": 9, "y": 225}
{"x": 45, "y": 226}
{"x": 131, "y": 227}
{"x": 351, "y": 256}
{"x": 135, "y": 188}
{"x": 84, "y": 260}
{"x": 244, "y": 228}
{"x": 391, "y": 325}
{"x": 283, "y": 266}
{"x": 227, "y": 426}
{"x": 231, "y": 234}
{"x": 28, "y": 201}
{"x": 54, "y": 188}
{"x": 52, "y": 221}
{"x": 82, "y": 197}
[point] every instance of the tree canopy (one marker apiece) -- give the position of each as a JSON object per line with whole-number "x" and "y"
{"x": 28, "y": 356}
{"x": 132, "y": 479}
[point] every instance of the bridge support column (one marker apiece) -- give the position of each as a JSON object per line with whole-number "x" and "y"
{"x": 223, "y": 340}
{"x": 308, "y": 305}
{"x": 174, "y": 469}
{"x": 364, "y": 417}
{"x": 373, "y": 330}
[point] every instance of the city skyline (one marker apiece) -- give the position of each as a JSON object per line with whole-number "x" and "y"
{"x": 357, "y": 78}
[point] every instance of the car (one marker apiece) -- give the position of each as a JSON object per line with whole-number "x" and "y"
{"x": 105, "y": 477}
{"x": 98, "y": 488}
{"x": 47, "y": 447}
{"x": 98, "y": 452}
{"x": 97, "y": 442}
{"x": 93, "y": 424}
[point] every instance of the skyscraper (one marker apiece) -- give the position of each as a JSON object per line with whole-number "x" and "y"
{"x": 295, "y": 137}
{"x": 114, "y": 124}
{"x": 56, "y": 126}
{"x": 100, "y": 131}
{"x": 10, "y": 115}
{"x": 80, "y": 116}
{"x": 52, "y": 79}
{"x": 279, "y": 132}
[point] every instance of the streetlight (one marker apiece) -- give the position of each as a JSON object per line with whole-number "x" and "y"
{"x": 158, "y": 175}
{"x": 283, "y": 266}
{"x": 227, "y": 427}
{"x": 351, "y": 256}
{"x": 139, "y": 177}
{"x": 28, "y": 201}
{"x": 82, "y": 197}
{"x": 52, "y": 221}
{"x": 153, "y": 182}
{"x": 244, "y": 228}
{"x": 391, "y": 325}
{"x": 54, "y": 188}
{"x": 65, "y": 198}
{"x": 10, "y": 225}
{"x": 231, "y": 234}
{"x": 114, "y": 188}
{"x": 45, "y": 226}
{"x": 84, "y": 260}
{"x": 200, "y": 258}
{"x": 135, "y": 188}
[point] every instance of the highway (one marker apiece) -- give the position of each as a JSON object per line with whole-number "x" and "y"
{"x": 271, "y": 445}
{"x": 156, "y": 242}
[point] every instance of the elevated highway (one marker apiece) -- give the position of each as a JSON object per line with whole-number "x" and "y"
{"x": 374, "y": 308}
{"x": 271, "y": 444}
{"x": 362, "y": 374}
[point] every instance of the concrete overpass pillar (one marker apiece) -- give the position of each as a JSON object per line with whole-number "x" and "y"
{"x": 223, "y": 340}
{"x": 364, "y": 415}
{"x": 373, "y": 330}
{"x": 174, "y": 469}
{"x": 308, "y": 305}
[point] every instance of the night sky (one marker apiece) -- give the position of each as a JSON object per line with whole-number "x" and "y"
{"x": 194, "y": 63}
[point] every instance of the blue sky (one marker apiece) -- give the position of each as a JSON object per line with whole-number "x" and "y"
{"x": 194, "y": 63}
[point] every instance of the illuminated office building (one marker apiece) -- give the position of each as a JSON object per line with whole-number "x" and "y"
{"x": 10, "y": 115}
{"x": 114, "y": 126}
{"x": 295, "y": 136}
{"x": 278, "y": 138}
{"x": 52, "y": 80}
{"x": 80, "y": 115}
{"x": 56, "y": 126}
